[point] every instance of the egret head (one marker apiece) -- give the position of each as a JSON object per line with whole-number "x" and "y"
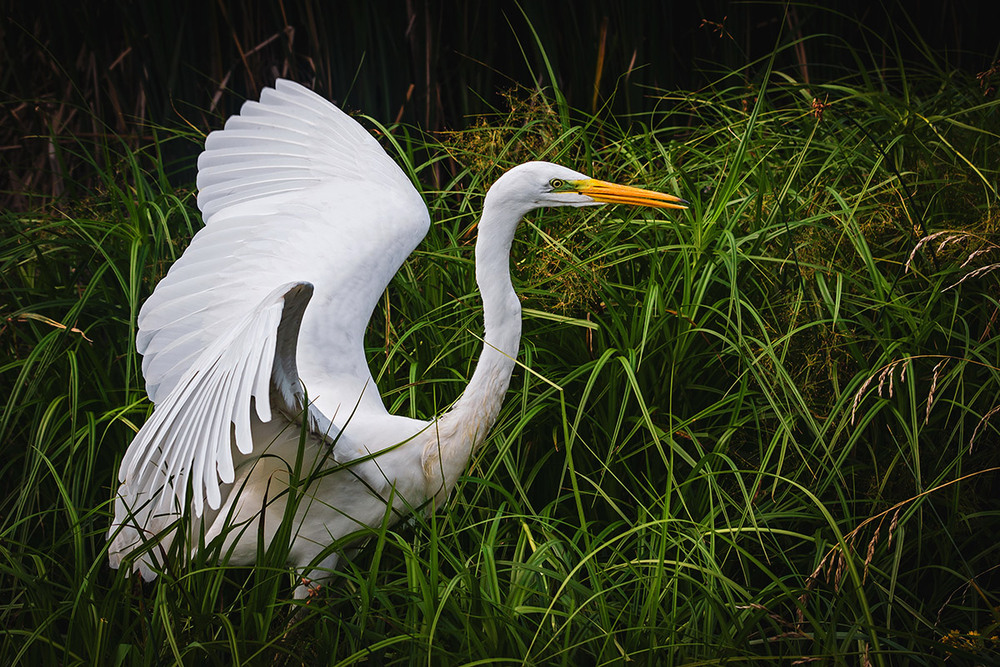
{"x": 538, "y": 184}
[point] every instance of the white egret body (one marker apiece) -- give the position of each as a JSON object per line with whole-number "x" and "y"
{"x": 306, "y": 221}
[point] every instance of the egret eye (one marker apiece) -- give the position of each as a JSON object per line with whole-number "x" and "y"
{"x": 557, "y": 183}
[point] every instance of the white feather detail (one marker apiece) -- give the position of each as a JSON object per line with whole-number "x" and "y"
{"x": 187, "y": 439}
{"x": 294, "y": 193}
{"x": 290, "y": 141}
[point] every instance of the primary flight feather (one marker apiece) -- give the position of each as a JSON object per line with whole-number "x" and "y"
{"x": 306, "y": 221}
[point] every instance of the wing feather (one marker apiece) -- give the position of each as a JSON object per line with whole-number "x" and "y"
{"x": 302, "y": 207}
{"x": 176, "y": 442}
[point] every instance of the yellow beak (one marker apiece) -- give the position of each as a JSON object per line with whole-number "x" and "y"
{"x": 611, "y": 193}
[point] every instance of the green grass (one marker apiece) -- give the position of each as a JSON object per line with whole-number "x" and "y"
{"x": 750, "y": 432}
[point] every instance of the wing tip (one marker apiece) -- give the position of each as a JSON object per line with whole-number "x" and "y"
{"x": 136, "y": 535}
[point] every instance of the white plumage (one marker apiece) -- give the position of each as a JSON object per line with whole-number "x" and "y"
{"x": 306, "y": 221}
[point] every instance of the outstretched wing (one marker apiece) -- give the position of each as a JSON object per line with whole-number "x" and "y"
{"x": 306, "y": 221}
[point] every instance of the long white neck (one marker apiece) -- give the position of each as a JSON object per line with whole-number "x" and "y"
{"x": 466, "y": 425}
{"x": 501, "y": 319}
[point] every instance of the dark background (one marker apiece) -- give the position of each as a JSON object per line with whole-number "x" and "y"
{"x": 69, "y": 71}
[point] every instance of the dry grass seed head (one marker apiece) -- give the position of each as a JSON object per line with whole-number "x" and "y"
{"x": 981, "y": 424}
{"x": 963, "y": 246}
{"x": 938, "y": 367}
{"x": 497, "y": 142}
{"x": 886, "y": 381}
{"x": 567, "y": 285}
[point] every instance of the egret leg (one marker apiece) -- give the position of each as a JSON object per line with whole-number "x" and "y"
{"x": 313, "y": 579}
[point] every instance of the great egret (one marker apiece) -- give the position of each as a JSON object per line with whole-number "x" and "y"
{"x": 306, "y": 221}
